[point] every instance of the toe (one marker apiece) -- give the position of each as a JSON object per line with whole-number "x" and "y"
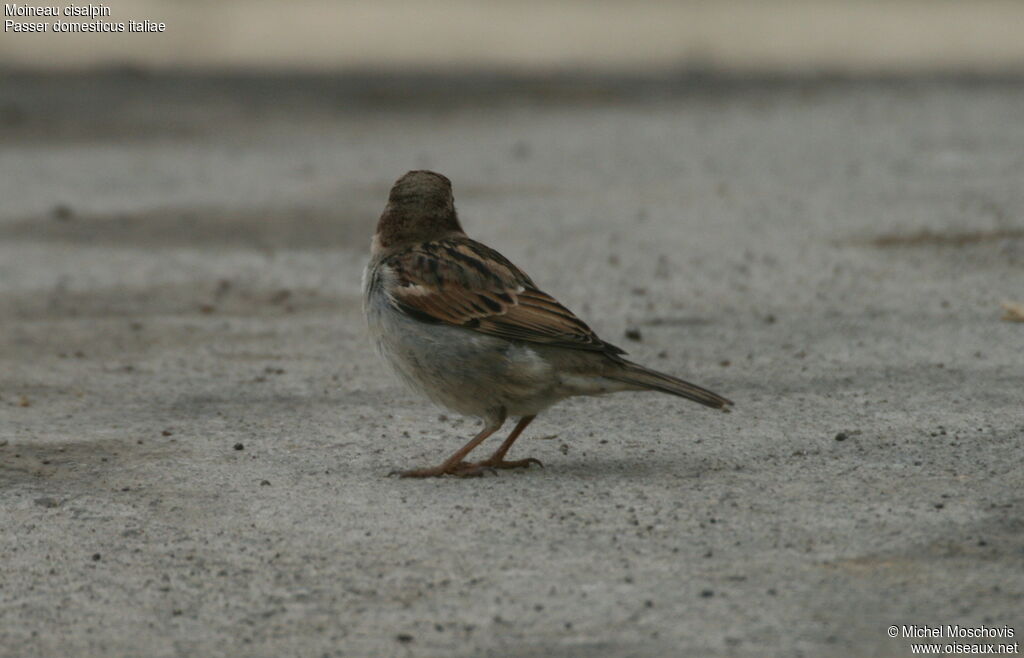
{"x": 471, "y": 470}
{"x": 462, "y": 470}
{"x": 518, "y": 463}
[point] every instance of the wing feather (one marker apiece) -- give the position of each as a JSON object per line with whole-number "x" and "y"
{"x": 463, "y": 283}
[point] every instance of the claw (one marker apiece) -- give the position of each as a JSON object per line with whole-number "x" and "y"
{"x": 461, "y": 470}
{"x": 518, "y": 463}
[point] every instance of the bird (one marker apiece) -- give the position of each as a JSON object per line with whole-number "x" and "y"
{"x": 462, "y": 325}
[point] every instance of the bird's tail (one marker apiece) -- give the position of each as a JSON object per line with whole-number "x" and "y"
{"x": 644, "y": 378}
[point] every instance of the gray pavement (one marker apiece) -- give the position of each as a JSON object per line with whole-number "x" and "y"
{"x": 195, "y": 434}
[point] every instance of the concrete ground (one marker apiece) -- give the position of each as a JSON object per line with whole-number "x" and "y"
{"x": 195, "y": 434}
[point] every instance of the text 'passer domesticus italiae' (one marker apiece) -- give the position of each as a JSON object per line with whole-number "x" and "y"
{"x": 461, "y": 324}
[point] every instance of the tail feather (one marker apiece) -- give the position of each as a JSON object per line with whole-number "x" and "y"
{"x": 645, "y": 378}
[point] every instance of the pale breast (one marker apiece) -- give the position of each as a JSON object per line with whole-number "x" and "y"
{"x": 457, "y": 368}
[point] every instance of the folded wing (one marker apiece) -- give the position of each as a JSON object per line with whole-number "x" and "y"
{"x": 463, "y": 283}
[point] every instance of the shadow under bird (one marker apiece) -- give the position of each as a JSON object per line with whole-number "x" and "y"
{"x": 464, "y": 326}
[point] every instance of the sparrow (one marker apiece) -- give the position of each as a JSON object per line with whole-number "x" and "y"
{"x": 459, "y": 323}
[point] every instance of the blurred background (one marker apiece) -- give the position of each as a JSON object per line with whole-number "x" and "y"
{"x": 533, "y": 35}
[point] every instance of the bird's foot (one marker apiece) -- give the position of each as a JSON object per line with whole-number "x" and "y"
{"x": 462, "y": 470}
{"x": 502, "y": 464}
{"x": 468, "y": 469}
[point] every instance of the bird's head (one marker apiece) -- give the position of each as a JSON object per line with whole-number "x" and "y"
{"x": 420, "y": 208}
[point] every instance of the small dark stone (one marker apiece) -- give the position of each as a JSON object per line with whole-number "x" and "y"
{"x": 842, "y": 436}
{"x": 223, "y": 286}
{"x": 939, "y": 505}
{"x": 634, "y": 335}
{"x": 239, "y": 446}
{"x": 404, "y": 638}
{"x": 264, "y": 483}
{"x": 62, "y": 212}
{"x": 96, "y": 557}
{"x": 166, "y": 433}
{"x": 707, "y": 593}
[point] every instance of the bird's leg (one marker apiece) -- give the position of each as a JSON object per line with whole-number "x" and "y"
{"x": 497, "y": 460}
{"x": 455, "y": 465}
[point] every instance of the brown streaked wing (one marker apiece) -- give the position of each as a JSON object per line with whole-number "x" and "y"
{"x": 464, "y": 283}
